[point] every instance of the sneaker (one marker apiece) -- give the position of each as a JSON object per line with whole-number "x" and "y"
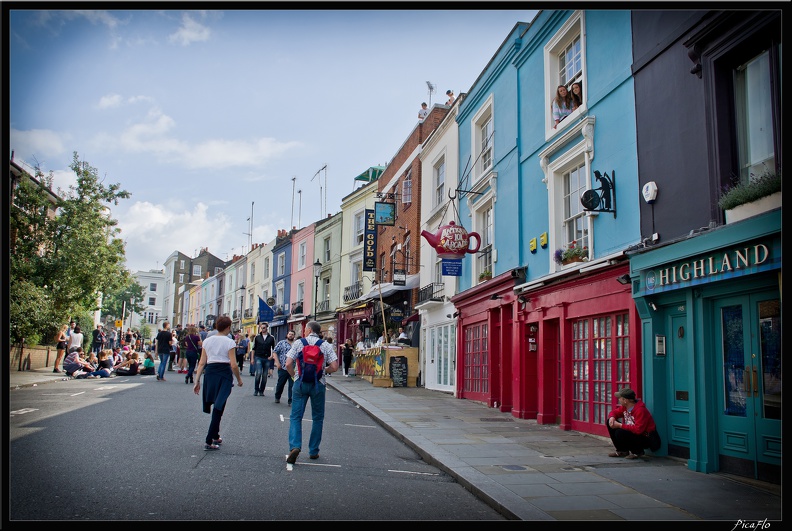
{"x": 618, "y": 454}
{"x": 314, "y": 456}
{"x": 293, "y": 456}
{"x": 277, "y": 400}
{"x": 255, "y": 393}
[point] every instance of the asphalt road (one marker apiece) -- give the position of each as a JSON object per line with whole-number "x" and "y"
{"x": 131, "y": 448}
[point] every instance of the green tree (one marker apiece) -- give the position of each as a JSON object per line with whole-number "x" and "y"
{"x": 61, "y": 263}
{"x": 127, "y": 298}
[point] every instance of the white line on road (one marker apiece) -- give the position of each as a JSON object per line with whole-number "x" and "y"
{"x": 23, "y": 411}
{"x": 359, "y": 426}
{"x": 77, "y": 394}
{"x": 418, "y": 473}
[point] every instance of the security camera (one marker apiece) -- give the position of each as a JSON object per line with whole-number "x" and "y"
{"x": 649, "y": 192}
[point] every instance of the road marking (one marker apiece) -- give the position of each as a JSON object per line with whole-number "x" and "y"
{"x": 77, "y": 394}
{"x": 418, "y": 473}
{"x": 359, "y": 426}
{"x": 319, "y": 464}
{"x": 105, "y": 388}
{"x": 23, "y": 411}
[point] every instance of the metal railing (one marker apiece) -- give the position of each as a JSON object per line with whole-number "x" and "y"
{"x": 323, "y": 306}
{"x": 353, "y": 292}
{"x": 432, "y": 292}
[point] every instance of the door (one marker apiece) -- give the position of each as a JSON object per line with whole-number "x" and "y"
{"x": 441, "y": 357}
{"x": 748, "y": 343}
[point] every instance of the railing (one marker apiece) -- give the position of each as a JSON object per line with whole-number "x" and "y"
{"x": 353, "y": 292}
{"x": 323, "y": 306}
{"x": 432, "y": 292}
{"x": 297, "y": 307}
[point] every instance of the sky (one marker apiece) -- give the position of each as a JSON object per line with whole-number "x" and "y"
{"x": 209, "y": 118}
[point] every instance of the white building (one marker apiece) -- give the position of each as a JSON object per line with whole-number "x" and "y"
{"x": 153, "y": 283}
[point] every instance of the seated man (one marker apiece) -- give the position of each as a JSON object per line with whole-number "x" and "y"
{"x": 74, "y": 362}
{"x": 629, "y": 425}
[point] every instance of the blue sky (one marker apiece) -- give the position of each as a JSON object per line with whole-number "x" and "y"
{"x": 200, "y": 113}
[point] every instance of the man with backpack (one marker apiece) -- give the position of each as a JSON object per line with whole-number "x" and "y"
{"x": 309, "y": 355}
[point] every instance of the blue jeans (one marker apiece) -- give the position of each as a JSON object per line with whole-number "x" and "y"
{"x": 301, "y": 393}
{"x": 163, "y": 356}
{"x": 260, "y": 384}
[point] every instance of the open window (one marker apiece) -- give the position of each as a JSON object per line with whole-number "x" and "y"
{"x": 565, "y": 64}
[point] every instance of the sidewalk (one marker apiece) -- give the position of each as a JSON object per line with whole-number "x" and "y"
{"x": 528, "y": 471}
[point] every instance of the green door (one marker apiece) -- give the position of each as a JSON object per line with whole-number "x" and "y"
{"x": 748, "y": 345}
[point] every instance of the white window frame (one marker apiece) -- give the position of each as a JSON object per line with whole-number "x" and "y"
{"x": 253, "y": 272}
{"x": 573, "y": 29}
{"x": 438, "y": 182}
{"x": 356, "y": 271}
{"x": 152, "y": 286}
{"x": 406, "y": 195}
{"x": 280, "y": 294}
{"x": 152, "y": 301}
{"x": 301, "y": 292}
{"x": 266, "y": 267}
{"x": 196, "y": 270}
{"x": 483, "y": 124}
{"x": 281, "y": 264}
{"x": 302, "y": 253}
{"x": 181, "y": 278}
{"x": 327, "y": 250}
{"x": 358, "y": 228}
{"x": 483, "y": 204}
{"x": 181, "y": 264}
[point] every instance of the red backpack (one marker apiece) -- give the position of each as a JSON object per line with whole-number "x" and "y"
{"x": 311, "y": 361}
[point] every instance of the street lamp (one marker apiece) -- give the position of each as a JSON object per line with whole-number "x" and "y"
{"x": 241, "y": 304}
{"x": 317, "y": 271}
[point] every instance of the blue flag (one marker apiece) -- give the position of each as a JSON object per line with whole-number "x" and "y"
{"x": 265, "y": 313}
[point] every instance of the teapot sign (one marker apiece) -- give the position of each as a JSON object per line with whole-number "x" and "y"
{"x": 452, "y": 241}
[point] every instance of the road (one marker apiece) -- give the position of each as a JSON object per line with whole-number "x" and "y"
{"x": 131, "y": 448}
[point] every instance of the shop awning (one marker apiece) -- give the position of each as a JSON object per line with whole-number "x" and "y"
{"x": 388, "y": 289}
{"x": 410, "y": 319}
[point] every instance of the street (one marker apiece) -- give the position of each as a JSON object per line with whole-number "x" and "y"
{"x": 131, "y": 448}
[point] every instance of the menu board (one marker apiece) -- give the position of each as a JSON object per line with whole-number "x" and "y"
{"x": 397, "y": 367}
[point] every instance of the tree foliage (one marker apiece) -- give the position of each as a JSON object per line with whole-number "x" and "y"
{"x": 59, "y": 264}
{"x": 129, "y": 292}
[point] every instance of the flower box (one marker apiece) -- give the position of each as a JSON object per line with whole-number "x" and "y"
{"x": 754, "y": 208}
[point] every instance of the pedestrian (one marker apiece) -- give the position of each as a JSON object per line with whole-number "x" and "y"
{"x": 97, "y": 341}
{"x": 629, "y": 425}
{"x": 111, "y": 338}
{"x": 346, "y": 353}
{"x": 262, "y": 352}
{"x": 174, "y": 351}
{"x": 202, "y": 332}
{"x": 75, "y": 339}
{"x": 61, "y": 340}
{"x": 305, "y": 390}
{"x": 218, "y": 361}
{"x": 451, "y": 98}
{"x": 163, "y": 340}
{"x": 423, "y": 112}
{"x": 193, "y": 342}
{"x": 281, "y": 350}
{"x": 242, "y": 350}
{"x": 128, "y": 338}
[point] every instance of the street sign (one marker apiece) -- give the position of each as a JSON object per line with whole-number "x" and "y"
{"x": 118, "y": 323}
{"x": 452, "y": 267}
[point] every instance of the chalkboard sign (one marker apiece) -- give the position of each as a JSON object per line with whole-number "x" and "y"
{"x": 398, "y": 370}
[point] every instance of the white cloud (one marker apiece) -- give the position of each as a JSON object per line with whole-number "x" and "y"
{"x": 110, "y": 101}
{"x": 215, "y": 154}
{"x": 95, "y": 17}
{"x": 189, "y": 32}
{"x": 36, "y": 143}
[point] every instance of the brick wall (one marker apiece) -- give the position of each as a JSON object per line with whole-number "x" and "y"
{"x": 29, "y": 358}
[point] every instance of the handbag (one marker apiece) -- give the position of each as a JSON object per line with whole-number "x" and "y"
{"x": 654, "y": 440}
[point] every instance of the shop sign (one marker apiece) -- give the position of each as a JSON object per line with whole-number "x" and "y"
{"x": 369, "y": 241}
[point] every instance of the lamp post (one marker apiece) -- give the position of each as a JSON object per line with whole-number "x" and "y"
{"x": 317, "y": 271}
{"x": 241, "y": 304}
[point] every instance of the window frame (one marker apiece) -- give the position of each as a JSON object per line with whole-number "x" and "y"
{"x": 574, "y": 28}
{"x": 302, "y": 255}
{"x": 484, "y": 116}
{"x": 152, "y": 286}
{"x": 438, "y": 183}
{"x": 358, "y": 228}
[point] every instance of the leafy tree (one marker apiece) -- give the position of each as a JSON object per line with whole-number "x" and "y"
{"x": 62, "y": 262}
{"x": 129, "y": 292}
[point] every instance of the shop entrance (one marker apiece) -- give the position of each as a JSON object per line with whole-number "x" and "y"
{"x": 748, "y": 346}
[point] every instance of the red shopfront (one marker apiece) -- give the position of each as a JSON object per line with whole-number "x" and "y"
{"x": 555, "y": 352}
{"x": 353, "y": 322}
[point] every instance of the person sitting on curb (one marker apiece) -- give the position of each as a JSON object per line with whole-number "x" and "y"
{"x": 629, "y": 425}
{"x": 75, "y": 365}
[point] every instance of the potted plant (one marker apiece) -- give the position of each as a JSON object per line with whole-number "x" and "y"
{"x": 485, "y": 275}
{"x": 750, "y": 198}
{"x": 571, "y": 253}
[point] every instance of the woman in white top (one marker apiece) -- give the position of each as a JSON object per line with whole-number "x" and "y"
{"x": 218, "y": 361}
{"x": 75, "y": 339}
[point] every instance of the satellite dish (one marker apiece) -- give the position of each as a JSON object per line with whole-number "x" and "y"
{"x": 590, "y": 200}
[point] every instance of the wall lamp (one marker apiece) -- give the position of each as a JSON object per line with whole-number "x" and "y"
{"x": 623, "y": 279}
{"x": 454, "y": 315}
{"x": 495, "y": 297}
{"x": 523, "y": 300}
{"x": 652, "y": 306}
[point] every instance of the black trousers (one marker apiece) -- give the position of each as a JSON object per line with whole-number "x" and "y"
{"x": 627, "y": 441}
{"x": 283, "y": 377}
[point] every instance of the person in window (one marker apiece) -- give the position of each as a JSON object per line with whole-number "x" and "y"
{"x": 577, "y": 95}
{"x": 562, "y": 105}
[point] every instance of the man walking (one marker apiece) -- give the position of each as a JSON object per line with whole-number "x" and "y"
{"x": 281, "y": 350}
{"x": 262, "y": 351}
{"x": 305, "y": 390}
{"x": 241, "y": 351}
{"x": 163, "y": 339}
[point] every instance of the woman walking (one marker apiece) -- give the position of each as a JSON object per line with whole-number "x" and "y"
{"x": 193, "y": 351}
{"x": 62, "y": 341}
{"x": 218, "y": 361}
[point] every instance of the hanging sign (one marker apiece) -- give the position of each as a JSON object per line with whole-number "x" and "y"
{"x": 399, "y": 277}
{"x": 369, "y": 242}
{"x": 451, "y": 267}
{"x": 452, "y": 241}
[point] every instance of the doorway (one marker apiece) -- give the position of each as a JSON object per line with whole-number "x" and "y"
{"x": 748, "y": 350}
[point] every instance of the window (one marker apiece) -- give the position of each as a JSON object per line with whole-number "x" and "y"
{"x": 575, "y": 224}
{"x": 217, "y": 270}
{"x": 438, "y": 269}
{"x": 300, "y": 291}
{"x": 266, "y": 267}
{"x": 484, "y": 224}
{"x": 280, "y": 294}
{"x": 439, "y": 183}
{"x": 754, "y": 117}
{"x": 281, "y": 264}
{"x": 565, "y": 64}
{"x": 152, "y": 301}
{"x": 326, "y": 250}
{"x": 252, "y": 272}
{"x": 407, "y": 254}
{"x": 357, "y": 271}
{"x": 181, "y": 278}
{"x": 153, "y": 286}
{"x": 359, "y": 228}
{"x": 406, "y": 196}
{"x": 476, "y": 359}
{"x": 326, "y": 289}
{"x": 181, "y": 264}
{"x": 196, "y": 270}
{"x": 301, "y": 255}
{"x": 482, "y": 146}
{"x": 383, "y": 272}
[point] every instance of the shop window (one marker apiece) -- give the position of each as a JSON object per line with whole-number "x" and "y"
{"x": 476, "y": 373}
